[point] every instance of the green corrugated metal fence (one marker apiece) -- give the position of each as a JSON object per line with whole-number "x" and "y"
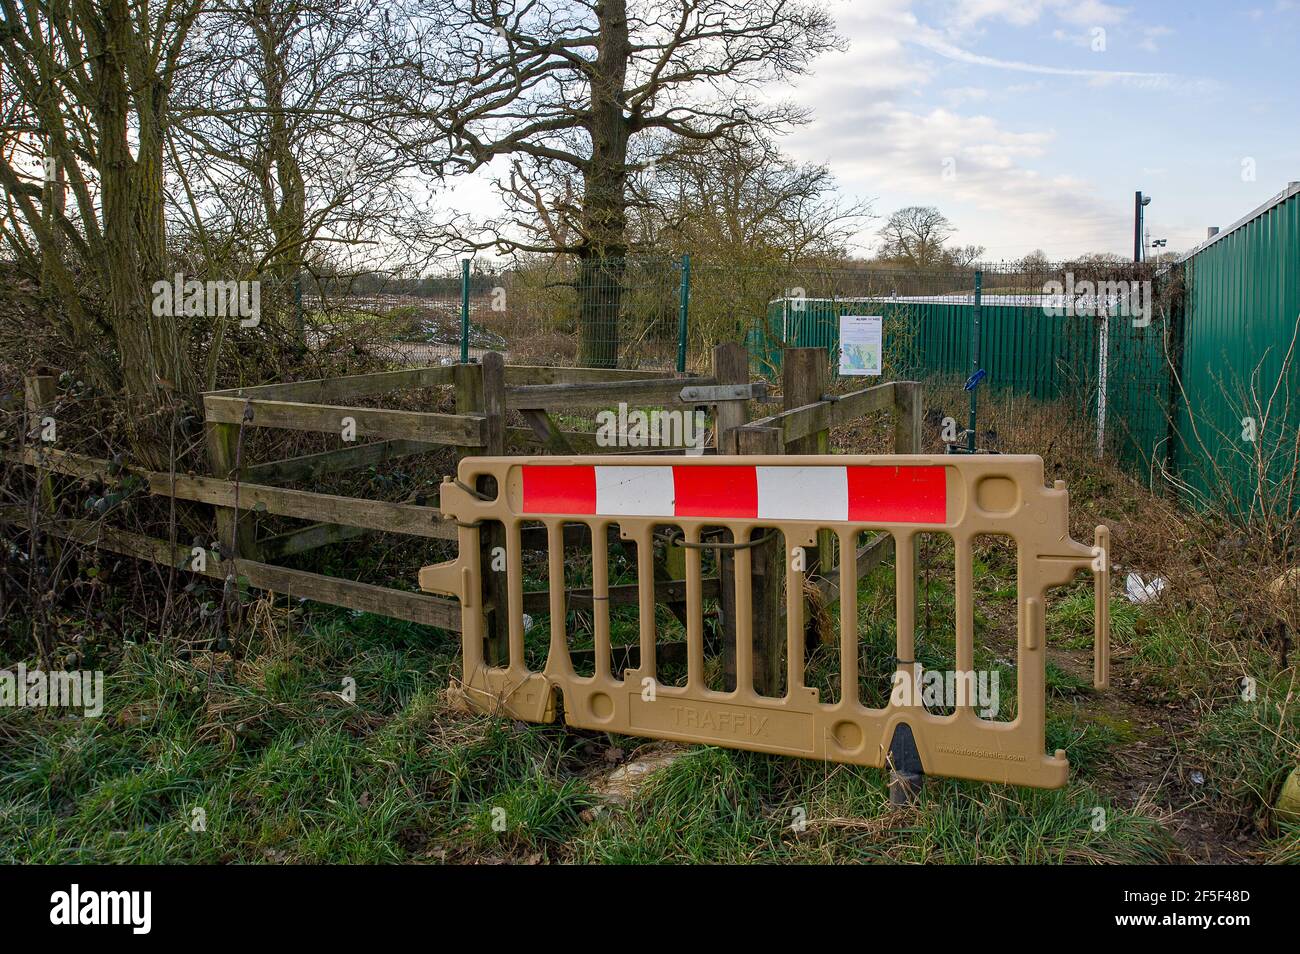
{"x": 1243, "y": 304}
{"x": 1025, "y": 350}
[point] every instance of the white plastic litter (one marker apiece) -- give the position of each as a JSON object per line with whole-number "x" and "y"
{"x": 1137, "y": 590}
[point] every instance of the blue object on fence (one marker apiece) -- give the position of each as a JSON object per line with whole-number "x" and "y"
{"x": 973, "y": 381}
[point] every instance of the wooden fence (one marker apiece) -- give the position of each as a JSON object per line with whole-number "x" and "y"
{"x": 486, "y": 395}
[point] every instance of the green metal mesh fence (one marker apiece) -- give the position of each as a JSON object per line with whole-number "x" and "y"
{"x": 1030, "y": 357}
{"x": 594, "y": 313}
{"x": 1054, "y": 359}
{"x": 403, "y": 320}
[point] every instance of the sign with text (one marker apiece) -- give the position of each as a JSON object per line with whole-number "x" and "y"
{"x": 861, "y": 344}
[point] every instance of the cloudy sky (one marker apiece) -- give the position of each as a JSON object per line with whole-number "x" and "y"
{"x": 1046, "y": 115}
{"x": 1030, "y": 123}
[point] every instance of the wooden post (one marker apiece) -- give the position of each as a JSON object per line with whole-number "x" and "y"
{"x": 236, "y": 538}
{"x": 907, "y": 434}
{"x": 481, "y": 389}
{"x": 38, "y": 394}
{"x": 803, "y": 381}
{"x": 907, "y": 417}
{"x": 467, "y": 381}
{"x": 804, "y": 378}
{"x": 674, "y": 567}
{"x": 730, "y": 366}
{"x": 494, "y": 404}
{"x": 768, "y": 563}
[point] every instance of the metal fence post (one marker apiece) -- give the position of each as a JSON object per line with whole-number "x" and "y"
{"x": 974, "y": 362}
{"x": 683, "y": 310}
{"x": 464, "y": 311}
{"x": 1103, "y": 374}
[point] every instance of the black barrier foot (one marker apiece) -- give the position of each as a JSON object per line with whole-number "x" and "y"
{"x": 906, "y": 775}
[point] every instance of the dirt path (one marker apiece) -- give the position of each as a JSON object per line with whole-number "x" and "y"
{"x": 1148, "y": 766}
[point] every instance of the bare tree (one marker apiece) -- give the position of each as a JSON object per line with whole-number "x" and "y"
{"x": 87, "y": 89}
{"x": 284, "y": 143}
{"x": 577, "y": 94}
{"x": 738, "y": 199}
{"x": 916, "y": 237}
{"x": 1036, "y": 261}
{"x": 962, "y": 256}
{"x": 1034, "y": 269}
{"x": 757, "y": 222}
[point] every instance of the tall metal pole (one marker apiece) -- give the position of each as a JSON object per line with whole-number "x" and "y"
{"x": 464, "y": 311}
{"x": 1137, "y": 226}
{"x": 683, "y": 310}
{"x": 1103, "y": 375}
{"x": 974, "y": 362}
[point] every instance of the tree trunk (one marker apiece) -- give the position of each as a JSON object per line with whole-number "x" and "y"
{"x": 285, "y": 212}
{"x": 604, "y": 213}
{"x": 153, "y": 350}
{"x": 284, "y": 190}
{"x": 110, "y": 110}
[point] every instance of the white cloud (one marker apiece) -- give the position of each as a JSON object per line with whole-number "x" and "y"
{"x": 967, "y": 13}
{"x": 886, "y": 116}
{"x": 1091, "y": 13}
{"x": 1085, "y": 39}
{"x": 933, "y": 41}
{"x": 965, "y": 94}
{"x": 1149, "y": 37}
{"x": 962, "y": 15}
{"x": 880, "y": 141}
{"x": 903, "y": 154}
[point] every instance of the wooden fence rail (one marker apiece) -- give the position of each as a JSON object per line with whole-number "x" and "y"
{"x": 484, "y": 393}
{"x": 380, "y": 423}
{"x": 350, "y": 594}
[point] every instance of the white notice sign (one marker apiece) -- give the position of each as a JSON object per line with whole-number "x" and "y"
{"x": 861, "y": 344}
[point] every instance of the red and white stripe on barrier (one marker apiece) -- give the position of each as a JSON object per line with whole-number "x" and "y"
{"x": 866, "y": 494}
